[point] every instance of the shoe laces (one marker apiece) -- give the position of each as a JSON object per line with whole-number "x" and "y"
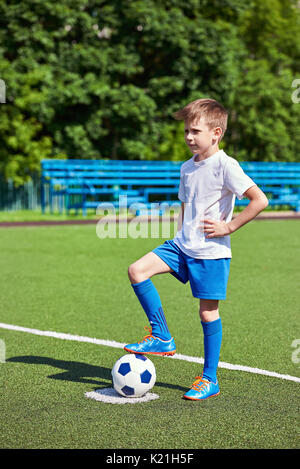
{"x": 148, "y": 336}
{"x": 199, "y": 384}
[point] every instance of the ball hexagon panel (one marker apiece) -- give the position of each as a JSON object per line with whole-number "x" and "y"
{"x": 124, "y": 369}
{"x": 146, "y": 376}
{"x": 128, "y": 391}
{"x": 141, "y": 357}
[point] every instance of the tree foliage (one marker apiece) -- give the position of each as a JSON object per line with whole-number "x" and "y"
{"x": 101, "y": 79}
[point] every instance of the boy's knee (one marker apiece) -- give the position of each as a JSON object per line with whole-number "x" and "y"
{"x": 131, "y": 271}
{"x": 134, "y": 273}
{"x": 209, "y": 310}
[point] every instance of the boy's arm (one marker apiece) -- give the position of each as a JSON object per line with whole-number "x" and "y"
{"x": 258, "y": 201}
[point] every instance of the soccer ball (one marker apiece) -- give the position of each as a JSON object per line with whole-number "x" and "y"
{"x": 133, "y": 375}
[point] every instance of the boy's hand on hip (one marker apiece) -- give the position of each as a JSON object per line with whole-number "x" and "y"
{"x": 215, "y": 228}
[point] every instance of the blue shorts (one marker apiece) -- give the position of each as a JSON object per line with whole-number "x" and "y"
{"x": 208, "y": 277}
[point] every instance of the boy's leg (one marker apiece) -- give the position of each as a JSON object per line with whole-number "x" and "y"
{"x": 207, "y": 385}
{"x": 212, "y": 330}
{"x": 140, "y": 273}
{"x": 146, "y": 267}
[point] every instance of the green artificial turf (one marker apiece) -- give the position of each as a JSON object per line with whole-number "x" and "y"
{"x": 66, "y": 279}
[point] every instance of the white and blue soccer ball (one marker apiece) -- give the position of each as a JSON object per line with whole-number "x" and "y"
{"x": 133, "y": 375}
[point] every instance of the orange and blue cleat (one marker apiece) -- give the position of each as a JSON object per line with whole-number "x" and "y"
{"x": 151, "y": 345}
{"x": 202, "y": 389}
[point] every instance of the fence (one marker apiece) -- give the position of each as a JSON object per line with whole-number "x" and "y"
{"x": 25, "y": 197}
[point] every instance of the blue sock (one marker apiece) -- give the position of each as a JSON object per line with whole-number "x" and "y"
{"x": 150, "y": 301}
{"x": 212, "y": 347}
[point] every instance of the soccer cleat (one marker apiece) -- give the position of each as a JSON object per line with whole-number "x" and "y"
{"x": 152, "y": 345}
{"x": 202, "y": 389}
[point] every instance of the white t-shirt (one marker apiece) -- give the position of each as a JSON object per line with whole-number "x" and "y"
{"x": 208, "y": 189}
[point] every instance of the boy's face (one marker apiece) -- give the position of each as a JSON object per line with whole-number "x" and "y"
{"x": 199, "y": 137}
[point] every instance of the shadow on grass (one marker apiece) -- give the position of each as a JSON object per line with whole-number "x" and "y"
{"x": 78, "y": 372}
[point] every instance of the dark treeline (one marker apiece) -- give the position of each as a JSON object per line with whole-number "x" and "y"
{"x": 101, "y": 79}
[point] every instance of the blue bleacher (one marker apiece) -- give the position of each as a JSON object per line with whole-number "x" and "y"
{"x": 83, "y": 184}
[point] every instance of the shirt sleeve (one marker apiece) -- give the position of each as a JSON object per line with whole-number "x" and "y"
{"x": 181, "y": 191}
{"x": 235, "y": 179}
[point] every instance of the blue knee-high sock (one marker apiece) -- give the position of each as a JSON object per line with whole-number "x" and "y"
{"x": 212, "y": 347}
{"x": 150, "y": 301}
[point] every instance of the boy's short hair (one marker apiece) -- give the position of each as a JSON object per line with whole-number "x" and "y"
{"x": 213, "y": 113}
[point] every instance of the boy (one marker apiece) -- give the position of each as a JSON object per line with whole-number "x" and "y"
{"x": 200, "y": 251}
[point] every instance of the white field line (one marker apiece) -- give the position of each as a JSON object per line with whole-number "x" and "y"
{"x": 177, "y": 356}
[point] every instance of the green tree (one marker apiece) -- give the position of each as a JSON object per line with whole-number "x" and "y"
{"x": 101, "y": 79}
{"x": 263, "y": 124}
